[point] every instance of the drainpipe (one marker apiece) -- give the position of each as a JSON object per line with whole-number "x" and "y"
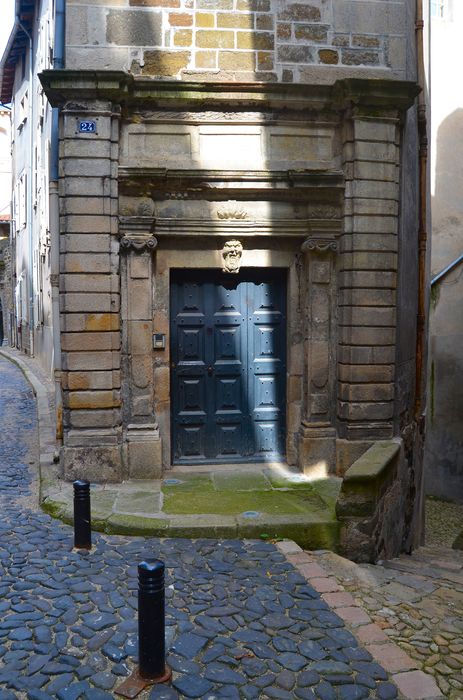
{"x": 422, "y": 255}
{"x": 30, "y": 276}
{"x": 422, "y": 230}
{"x": 58, "y": 63}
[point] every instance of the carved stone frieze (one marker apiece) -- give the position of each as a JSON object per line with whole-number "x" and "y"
{"x": 319, "y": 245}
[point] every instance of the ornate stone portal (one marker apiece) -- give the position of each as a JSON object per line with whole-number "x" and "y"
{"x": 311, "y": 168}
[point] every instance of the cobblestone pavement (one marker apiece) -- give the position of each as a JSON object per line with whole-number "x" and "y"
{"x": 417, "y": 601}
{"x": 242, "y": 621}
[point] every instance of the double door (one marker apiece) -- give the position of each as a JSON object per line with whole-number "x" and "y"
{"x": 228, "y": 342}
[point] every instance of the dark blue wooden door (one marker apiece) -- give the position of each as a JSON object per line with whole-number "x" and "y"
{"x": 228, "y": 342}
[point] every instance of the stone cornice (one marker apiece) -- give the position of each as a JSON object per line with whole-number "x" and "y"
{"x": 284, "y": 228}
{"x": 62, "y": 86}
{"x": 138, "y": 231}
{"x": 218, "y": 184}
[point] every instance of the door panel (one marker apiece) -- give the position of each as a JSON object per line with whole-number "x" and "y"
{"x": 228, "y": 365}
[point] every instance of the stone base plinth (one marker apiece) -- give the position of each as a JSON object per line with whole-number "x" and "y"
{"x": 317, "y": 451}
{"x": 97, "y": 464}
{"x": 144, "y": 453}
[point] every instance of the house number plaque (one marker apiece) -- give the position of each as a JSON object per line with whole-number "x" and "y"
{"x": 87, "y": 127}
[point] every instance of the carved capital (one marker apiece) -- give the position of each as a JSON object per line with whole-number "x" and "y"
{"x": 139, "y": 242}
{"x": 319, "y": 245}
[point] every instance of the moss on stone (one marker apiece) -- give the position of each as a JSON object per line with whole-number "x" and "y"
{"x": 280, "y": 481}
{"x": 138, "y": 502}
{"x": 123, "y": 524}
{"x": 189, "y": 482}
{"x": 240, "y": 481}
{"x": 58, "y": 510}
{"x": 307, "y": 534}
{"x": 328, "y": 490}
{"x": 458, "y": 544}
{"x": 208, "y": 526}
{"x": 102, "y": 502}
{"x": 374, "y": 462}
{"x": 229, "y": 503}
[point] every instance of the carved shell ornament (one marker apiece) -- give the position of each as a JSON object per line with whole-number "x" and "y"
{"x": 231, "y": 256}
{"x": 232, "y": 211}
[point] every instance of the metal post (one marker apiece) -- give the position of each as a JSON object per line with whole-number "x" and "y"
{"x": 82, "y": 527}
{"x": 151, "y": 622}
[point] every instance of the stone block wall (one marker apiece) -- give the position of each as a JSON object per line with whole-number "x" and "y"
{"x": 264, "y": 40}
{"x": 89, "y": 294}
{"x": 372, "y": 503}
{"x": 368, "y": 278}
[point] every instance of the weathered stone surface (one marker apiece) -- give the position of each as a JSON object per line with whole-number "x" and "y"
{"x": 160, "y": 63}
{"x": 133, "y": 28}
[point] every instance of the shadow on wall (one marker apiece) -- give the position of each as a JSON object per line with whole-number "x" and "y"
{"x": 444, "y": 441}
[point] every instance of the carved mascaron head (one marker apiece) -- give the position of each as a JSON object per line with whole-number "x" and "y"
{"x": 231, "y": 256}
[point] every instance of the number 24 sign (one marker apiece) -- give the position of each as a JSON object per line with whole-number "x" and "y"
{"x": 87, "y": 127}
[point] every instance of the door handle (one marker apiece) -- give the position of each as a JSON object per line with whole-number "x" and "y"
{"x": 210, "y": 371}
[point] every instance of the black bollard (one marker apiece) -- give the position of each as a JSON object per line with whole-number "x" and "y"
{"x": 82, "y": 527}
{"x": 151, "y": 622}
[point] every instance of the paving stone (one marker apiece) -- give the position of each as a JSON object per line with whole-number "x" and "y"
{"x": 286, "y": 680}
{"x": 161, "y": 692}
{"x": 192, "y": 686}
{"x": 220, "y": 673}
{"x": 386, "y": 691}
{"x": 188, "y": 645}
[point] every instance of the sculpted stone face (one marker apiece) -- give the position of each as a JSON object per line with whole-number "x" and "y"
{"x": 231, "y": 255}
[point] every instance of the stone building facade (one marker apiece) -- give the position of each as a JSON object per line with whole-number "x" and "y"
{"x": 238, "y": 236}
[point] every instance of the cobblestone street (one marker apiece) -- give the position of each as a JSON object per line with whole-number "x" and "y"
{"x": 242, "y": 621}
{"x": 417, "y": 600}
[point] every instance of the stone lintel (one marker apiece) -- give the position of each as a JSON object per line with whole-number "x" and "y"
{"x": 278, "y": 227}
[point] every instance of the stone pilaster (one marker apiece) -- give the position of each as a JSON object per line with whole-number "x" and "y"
{"x": 89, "y": 292}
{"x": 368, "y": 277}
{"x": 317, "y": 449}
{"x": 142, "y": 445}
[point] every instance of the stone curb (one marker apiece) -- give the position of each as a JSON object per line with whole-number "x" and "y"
{"x": 412, "y": 683}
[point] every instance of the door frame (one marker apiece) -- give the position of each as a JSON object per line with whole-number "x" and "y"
{"x": 183, "y": 253}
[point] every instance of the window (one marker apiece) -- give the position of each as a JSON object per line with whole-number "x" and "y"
{"x": 439, "y": 9}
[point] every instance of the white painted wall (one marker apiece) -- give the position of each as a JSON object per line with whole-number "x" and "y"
{"x": 444, "y": 441}
{"x": 30, "y": 109}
